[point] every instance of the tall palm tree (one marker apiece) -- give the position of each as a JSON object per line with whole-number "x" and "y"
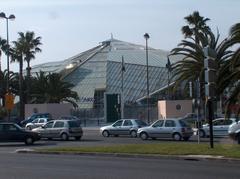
{"x": 30, "y": 46}
{"x": 197, "y": 34}
{"x": 3, "y": 48}
{"x": 230, "y": 71}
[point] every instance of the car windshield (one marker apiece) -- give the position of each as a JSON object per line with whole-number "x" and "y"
{"x": 73, "y": 124}
{"x": 184, "y": 123}
{"x": 141, "y": 123}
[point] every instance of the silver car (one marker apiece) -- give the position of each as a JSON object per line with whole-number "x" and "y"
{"x": 234, "y": 131}
{"x": 123, "y": 127}
{"x": 63, "y": 129}
{"x": 220, "y": 127}
{"x": 36, "y": 123}
{"x": 176, "y": 129}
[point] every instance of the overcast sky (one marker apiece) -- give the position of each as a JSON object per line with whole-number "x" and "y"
{"x": 68, "y": 27}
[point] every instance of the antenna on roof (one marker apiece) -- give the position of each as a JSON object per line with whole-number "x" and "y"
{"x": 111, "y": 36}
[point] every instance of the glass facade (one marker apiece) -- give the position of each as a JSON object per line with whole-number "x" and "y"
{"x": 99, "y": 70}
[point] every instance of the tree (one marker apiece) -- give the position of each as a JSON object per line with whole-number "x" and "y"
{"x": 29, "y": 47}
{"x": 3, "y": 48}
{"x": 3, "y": 84}
{"x": 52, "y": 89}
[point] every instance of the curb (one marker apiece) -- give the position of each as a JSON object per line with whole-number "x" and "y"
{"x": 144, "y": 156}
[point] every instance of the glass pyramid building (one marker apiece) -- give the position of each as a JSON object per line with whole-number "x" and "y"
{"x": 99, "y": 70}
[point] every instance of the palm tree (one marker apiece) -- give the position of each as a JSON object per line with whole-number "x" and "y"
{"x": 3, "y": 48}
{"x": 3, "y": 83}
{"x": 30, "y": 46}
{"x": 52, "y": 89}
{"x": 230, "y": 72}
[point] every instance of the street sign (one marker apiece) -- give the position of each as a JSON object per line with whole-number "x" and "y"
{"x": 9, "y": 101}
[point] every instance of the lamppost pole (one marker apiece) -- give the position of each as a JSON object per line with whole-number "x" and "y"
{"x": 11, "y": 17}
{"x": 146, "y": 36}
{"x": 8, "y": 96}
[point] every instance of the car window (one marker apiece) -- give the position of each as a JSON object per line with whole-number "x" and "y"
{"x": 183, "y": 123}
{"x": 218, "y": 122}
{"x": 158, "y": 124}
{"x": 170, "y": 123}
{"x": 49, "y": 125}
{"x": 35, "y": 121}
{"x": 140, "y": 123}
{"x": 73, "y": 124}
{"x": 41, "y": 121}
{"x": 10, "y": 127}
{"x": 58, "y": 124}
{"x": 228, "y": 122}
{"x": 127, "y": 123}
{"x": 118, "y": 123}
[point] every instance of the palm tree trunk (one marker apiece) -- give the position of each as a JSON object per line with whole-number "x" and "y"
{"x": 22, "y": 107}
{"x": 28, "y": 81}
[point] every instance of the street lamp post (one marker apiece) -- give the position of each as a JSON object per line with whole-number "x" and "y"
{"x": 146, "y": 36}
{"x": 8, "y": 97}
{"x": 11, "y": 17}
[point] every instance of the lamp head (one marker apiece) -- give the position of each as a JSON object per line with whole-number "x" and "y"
{"x": 146, "y": 36}
{"x": 11, "y": 17}
{"x": 2, "y": 15}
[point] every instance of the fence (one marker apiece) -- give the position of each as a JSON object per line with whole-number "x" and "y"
{"x": 95, "y": 116}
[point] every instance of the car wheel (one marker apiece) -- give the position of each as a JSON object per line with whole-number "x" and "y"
{"x": 78, "y": 138}
{"x": 29, "y": 128}
{"x": 202, "y": 133}
{"x": 133, "y": 134}
{"x": 144, "y": 136}
{"x": 64, "y": 136}
{"x": 29, "y": 141}
{"x": 105, "y": 133}
{"x": 177, "y": 136}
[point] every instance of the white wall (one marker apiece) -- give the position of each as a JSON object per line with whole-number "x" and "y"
{"x": 55, "y": 109}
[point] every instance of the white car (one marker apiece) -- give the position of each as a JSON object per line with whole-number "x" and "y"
{"x": 123, "y": 127}
{"x": 176, "y": 129}
{"x": 37, "y": 123}
{"x": 234, "y": 131}
{"x": 220, "y": 127}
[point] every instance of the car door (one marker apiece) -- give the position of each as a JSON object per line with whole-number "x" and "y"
{"x": 3, "y": 135}
{"x": 156, "y": 129}
{"x": 126, "y": 126}
{"x": 58, "y": 127}
{"x": 116, "y": 128}
{"x": 169, "y": 128}
{"x": 218, "y": 127}
{"x": 225, "y": 126}
{"x": 13, "y": 133}
{"x": 46, "y": 130}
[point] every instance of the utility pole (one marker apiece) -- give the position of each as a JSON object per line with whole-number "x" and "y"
{"x": 210, "y": 85}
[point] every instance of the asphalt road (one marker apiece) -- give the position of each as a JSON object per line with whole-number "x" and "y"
{"x": 38, "y": 166}
{"x": 23, "y": 166}
{"x": 92, "y": 137}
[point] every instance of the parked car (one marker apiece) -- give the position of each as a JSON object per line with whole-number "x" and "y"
{"x": 34, "y": 116}
{"x": 123, "y": 127}
{"x": 70, "y": 118}
{"x": 220, "y": 127}
{"x": 11, "y": 132}
{"x": 37, "y": 123}
{"x": 176, "y": 129}
{"x": 234, "y": 131}
{"x": 63, "y": 129}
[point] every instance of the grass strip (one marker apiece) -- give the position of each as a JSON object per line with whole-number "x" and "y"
{"x": 226, "y": 150}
